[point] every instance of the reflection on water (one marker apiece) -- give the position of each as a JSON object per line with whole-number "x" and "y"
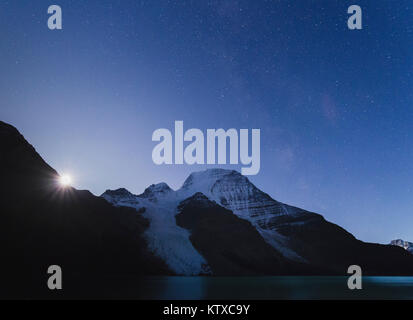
{"x": 188, "y": 288}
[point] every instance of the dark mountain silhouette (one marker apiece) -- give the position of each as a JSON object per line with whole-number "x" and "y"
{"x": 43, "y": 224}
{"x": 325, "y": 244}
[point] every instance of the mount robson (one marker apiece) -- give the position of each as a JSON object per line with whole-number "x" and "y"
{"x": 217, "y": 224}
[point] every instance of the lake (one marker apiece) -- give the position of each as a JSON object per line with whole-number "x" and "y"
{"x": 267, "y": 288}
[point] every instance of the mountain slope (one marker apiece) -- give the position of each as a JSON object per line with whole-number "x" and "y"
{"x": 43, "y": 224}
{"x": 232, "y": 246}
{"x": 299, "y": 236}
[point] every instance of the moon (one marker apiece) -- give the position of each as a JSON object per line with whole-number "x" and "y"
{"x": 65, "y": 180}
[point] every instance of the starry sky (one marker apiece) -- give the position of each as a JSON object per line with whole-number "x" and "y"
{"x": 334, "y": 106}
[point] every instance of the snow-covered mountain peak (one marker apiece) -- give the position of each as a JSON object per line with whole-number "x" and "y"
{"x": 155, "y": 191}
{"x": 206, "y": 179}
{"x": 404, "y": 244}
{"x": 121, "y": 192}
{"x": 227, "y": 188}
{"x": 158, "y": 188}
{"x": 235, "y": 192}
{"x": 120, "y": 197}
{"x": 231, "y": 190}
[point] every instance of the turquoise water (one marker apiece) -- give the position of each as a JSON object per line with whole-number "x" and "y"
{"x": 194, "y": 288}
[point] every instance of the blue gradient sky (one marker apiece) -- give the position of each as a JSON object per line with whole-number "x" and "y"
{"x": 334, "y": 106}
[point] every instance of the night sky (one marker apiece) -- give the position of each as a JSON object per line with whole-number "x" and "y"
{"x": 334, "y": 106}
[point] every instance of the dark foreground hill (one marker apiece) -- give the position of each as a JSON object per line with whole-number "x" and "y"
{"x": 43, "y": 224}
